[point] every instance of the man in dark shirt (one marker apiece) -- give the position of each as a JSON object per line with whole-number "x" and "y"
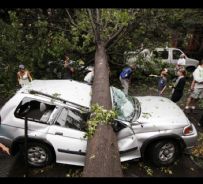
{"x": 179, "y": 85}
{"x": 125, "y": 77}
{"x": 162, "y": 80}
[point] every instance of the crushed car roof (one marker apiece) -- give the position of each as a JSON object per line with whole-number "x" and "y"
{"x": 70, "y": 90}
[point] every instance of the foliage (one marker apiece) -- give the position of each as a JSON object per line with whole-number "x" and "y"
{"x": 74, "y": 173}
{"x": 99, "y": 116}
{"x": 35, "y": 37}
{"x": 147, "y": 169}
{"x": 166, "y": 170}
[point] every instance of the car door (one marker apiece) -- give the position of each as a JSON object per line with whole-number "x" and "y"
{"x": 67, "y": 137}
{"x": 127, "y": 140}
{"x": 175, "y": 55}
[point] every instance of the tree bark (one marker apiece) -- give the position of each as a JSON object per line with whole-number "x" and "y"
{"x": 102, "y": 156}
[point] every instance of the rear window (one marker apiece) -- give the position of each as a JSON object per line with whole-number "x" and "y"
{"x": 35, "y": 110}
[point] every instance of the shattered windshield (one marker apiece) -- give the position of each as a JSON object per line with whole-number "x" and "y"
{"x": 123, "y": 104}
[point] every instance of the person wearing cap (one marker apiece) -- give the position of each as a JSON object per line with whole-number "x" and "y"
{"x": 23, "y": 76}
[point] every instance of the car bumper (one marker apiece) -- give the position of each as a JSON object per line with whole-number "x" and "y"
{"x": 190, "y": 140}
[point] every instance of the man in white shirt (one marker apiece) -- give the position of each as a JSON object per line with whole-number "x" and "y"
{"x": 196, "y": 87}
{"x": 181, "y": 61}
{"x": 90, "y": 76}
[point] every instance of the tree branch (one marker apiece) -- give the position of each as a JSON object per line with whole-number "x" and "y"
{"x": 125, "y": 29}
{"x": 70, "y": 18}
{"x": 98, "y": 26}
{"x": 92, "y": 22}
{"x": 114, "y": 36}
{"x": 95, "y": 24}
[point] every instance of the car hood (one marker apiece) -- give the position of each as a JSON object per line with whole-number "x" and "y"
{"x": 160, "y": 110}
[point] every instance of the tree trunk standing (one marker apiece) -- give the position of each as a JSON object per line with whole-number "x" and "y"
{"x": 174, "y": 39}
{"x": 102, "y": 157}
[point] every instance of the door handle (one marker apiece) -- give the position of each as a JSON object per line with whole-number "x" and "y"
{"x": 58, "y": 133}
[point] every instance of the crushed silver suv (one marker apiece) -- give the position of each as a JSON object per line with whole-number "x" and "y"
{"x": 57, "y": 111}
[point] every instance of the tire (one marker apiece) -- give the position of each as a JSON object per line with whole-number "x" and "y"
{"x": 39, "y": 155}
{"x": 164, "y": 152}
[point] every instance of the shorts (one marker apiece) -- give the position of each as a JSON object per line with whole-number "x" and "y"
{"x": 197, "y": 93}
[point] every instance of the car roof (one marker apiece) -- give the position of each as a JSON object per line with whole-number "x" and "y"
{"x": 165, "y": 48}
{"x": 69, "y": 90}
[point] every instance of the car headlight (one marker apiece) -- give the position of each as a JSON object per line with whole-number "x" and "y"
{"x": 188, "y": 130}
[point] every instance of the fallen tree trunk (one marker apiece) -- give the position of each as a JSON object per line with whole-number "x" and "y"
{"x": 102, "y": 157}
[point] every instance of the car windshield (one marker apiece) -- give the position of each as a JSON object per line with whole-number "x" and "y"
{"x": 124, "y": 105}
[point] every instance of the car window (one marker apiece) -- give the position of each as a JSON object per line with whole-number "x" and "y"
{"x": 176, "y": 54}
{"x": 35, "y": 110}
{"x": 161, "y": 54}
{"x": 72, "y": 119}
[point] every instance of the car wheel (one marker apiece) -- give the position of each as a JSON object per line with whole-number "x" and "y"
{"x": 163, "y": 153}
{"x": 39, "y": 155}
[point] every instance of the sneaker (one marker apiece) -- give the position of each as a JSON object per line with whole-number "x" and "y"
{"x": 192, "y": 107}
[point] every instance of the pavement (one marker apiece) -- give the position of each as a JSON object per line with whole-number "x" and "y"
{"x": 6, "y": 164}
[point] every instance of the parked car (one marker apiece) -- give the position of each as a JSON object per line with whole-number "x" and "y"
{"x": 168, "y": 55}
{"x": 57, "y": 110}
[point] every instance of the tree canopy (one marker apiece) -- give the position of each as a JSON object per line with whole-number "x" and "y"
{"x": 36, "y": 36}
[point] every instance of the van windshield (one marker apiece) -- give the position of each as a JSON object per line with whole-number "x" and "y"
{"x": 124, "y": 105}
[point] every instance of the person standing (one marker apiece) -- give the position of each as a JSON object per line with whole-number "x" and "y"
{"x": 125, "y": 77}
{"x": 23, "y": 76}
{"x": 180, "y": 63}
{"x": 196, "y": 87}
{"x": 90, "y": 76}
{"x": 68, "y": 68}
{"x": 162, "y": 82}
{"x": 179, "y": 85}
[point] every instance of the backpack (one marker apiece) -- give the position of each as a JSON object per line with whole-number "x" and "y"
{"x": 126, "y": 72}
